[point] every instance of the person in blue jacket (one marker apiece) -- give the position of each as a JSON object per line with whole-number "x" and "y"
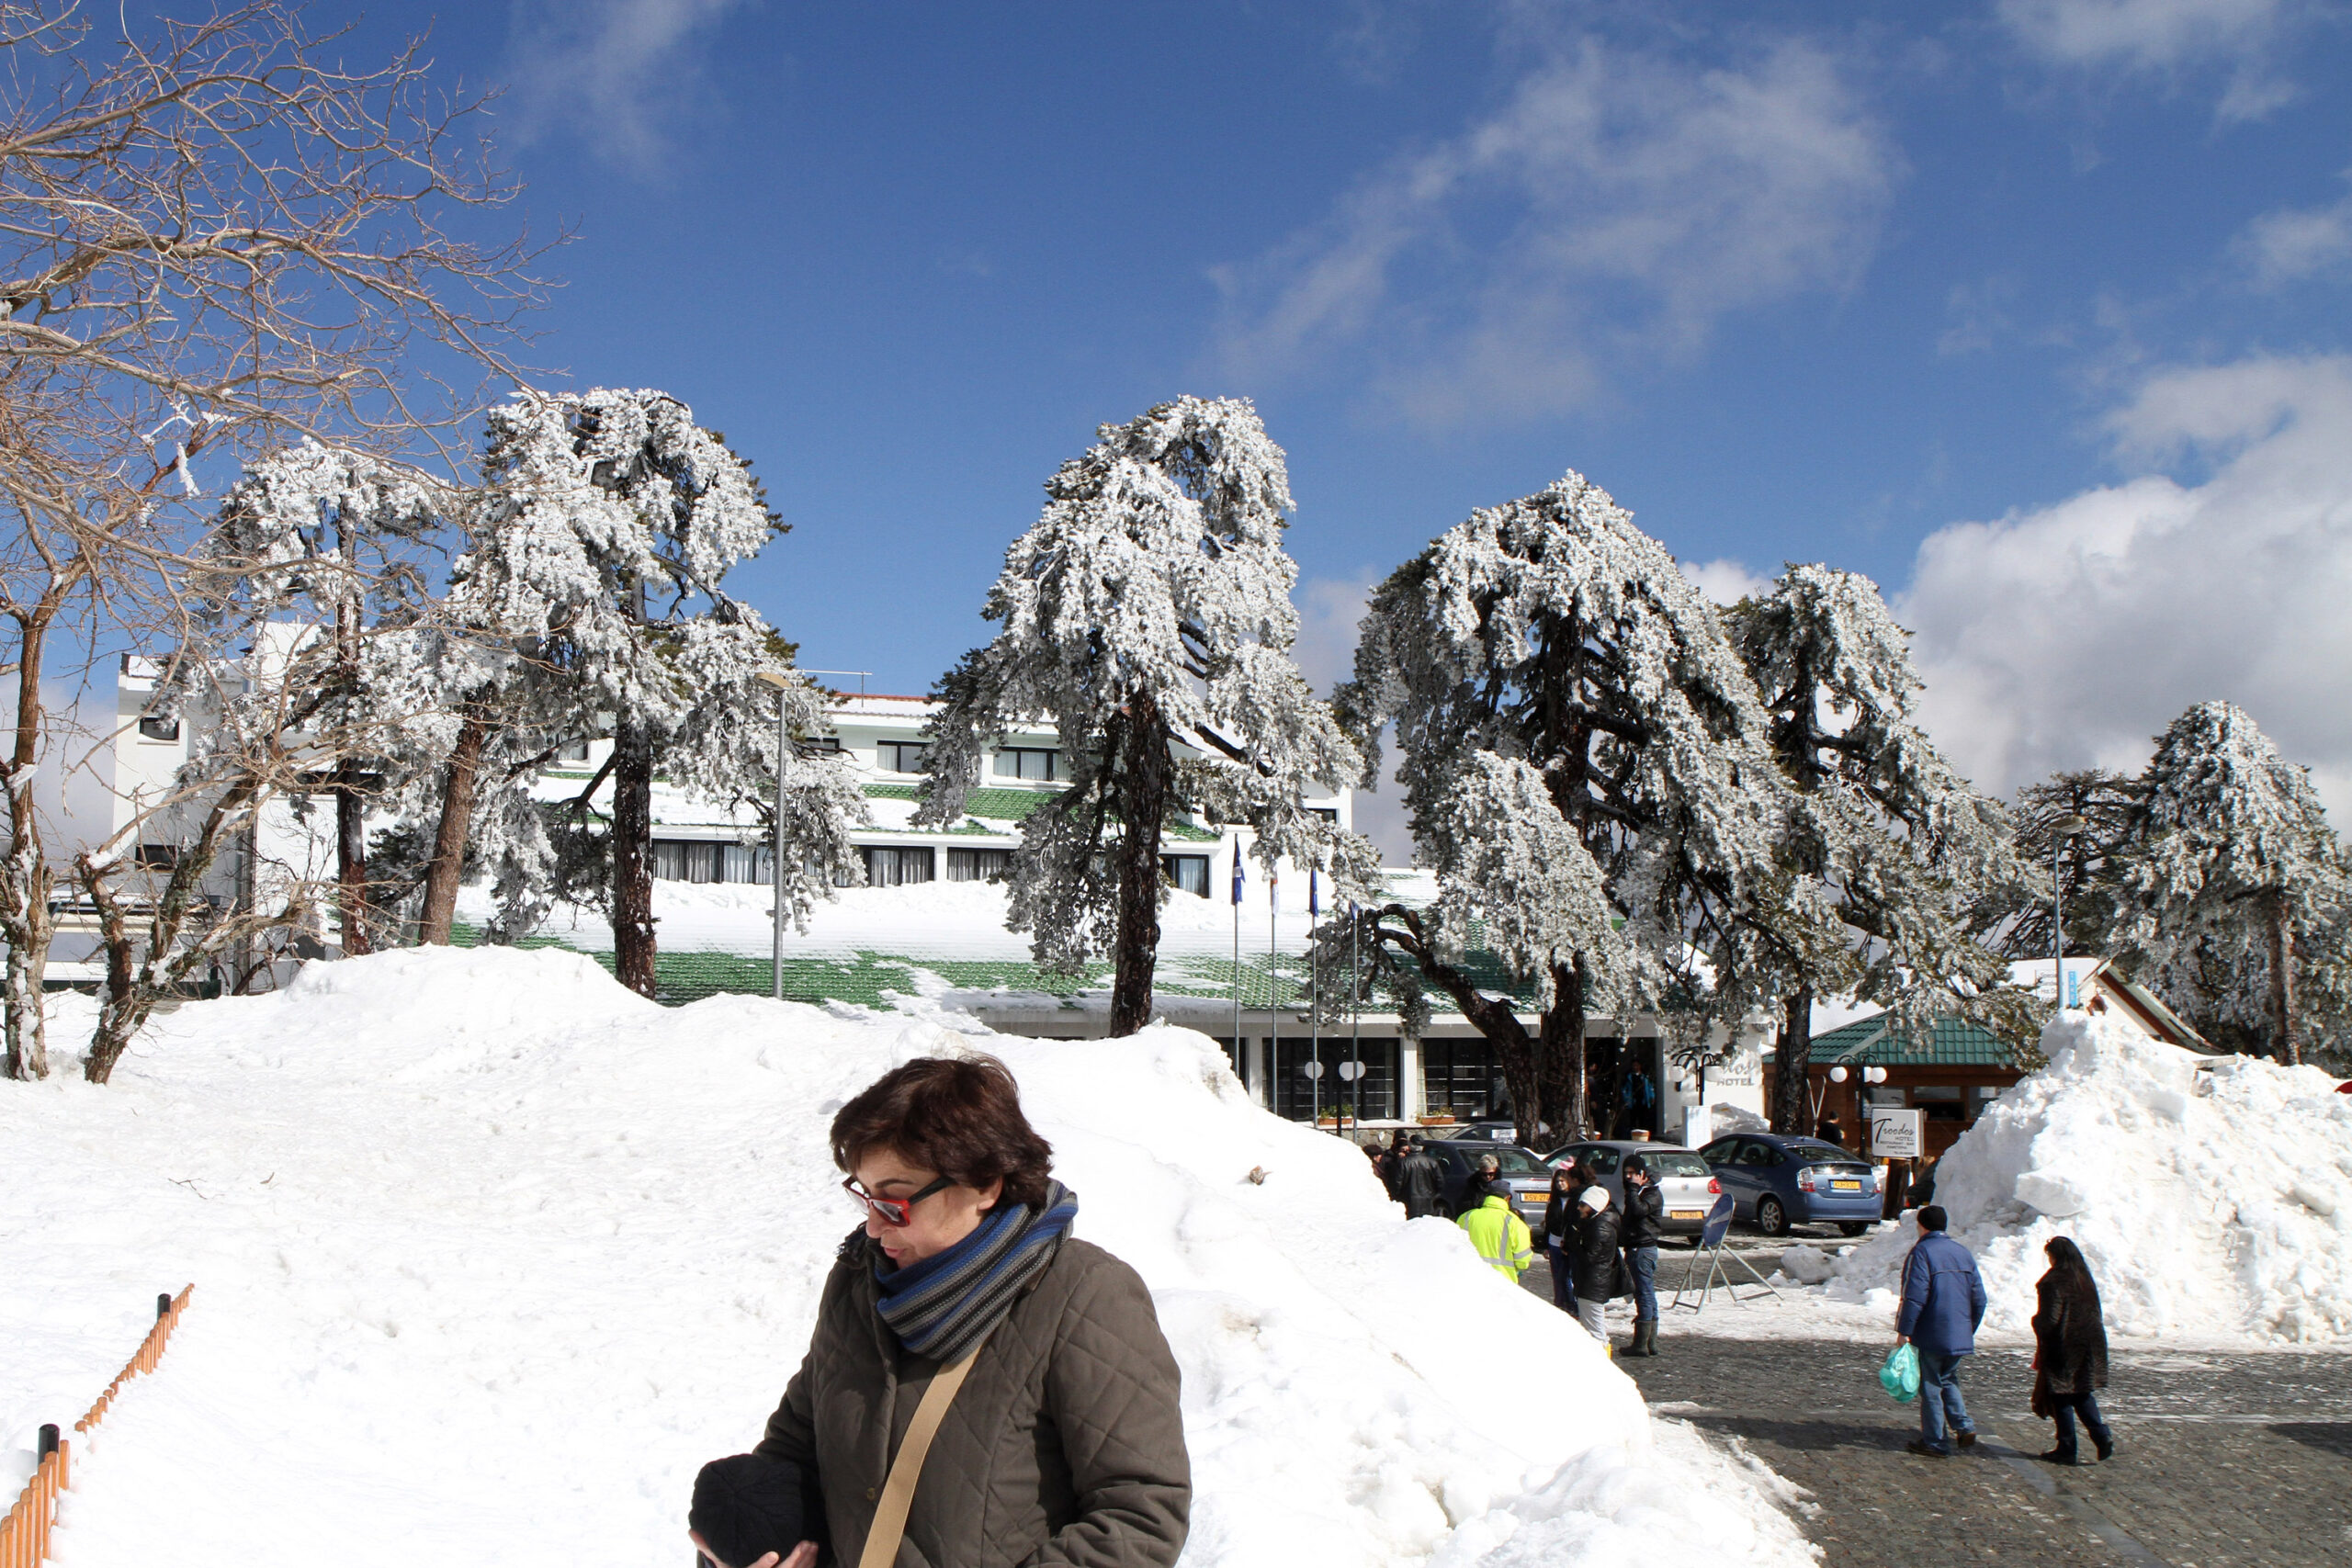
{"x": 1943, "y": 1302}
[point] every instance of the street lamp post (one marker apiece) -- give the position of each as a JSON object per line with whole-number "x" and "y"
{"x": 783, "y": 685}
{"x": 2070, "y": 826}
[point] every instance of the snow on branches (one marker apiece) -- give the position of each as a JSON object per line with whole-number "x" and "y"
{"x": 1881, "y": 850}
{"x": 2237, "y": 881}
{"x": 1584, "y": 764}
{"x": 1146, "y": 613}
{"x": 607, "y": 523}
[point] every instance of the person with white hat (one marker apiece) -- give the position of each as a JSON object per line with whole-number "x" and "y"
{"x": 1599, "y": 1269}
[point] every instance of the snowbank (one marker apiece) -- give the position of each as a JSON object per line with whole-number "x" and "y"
{"x": 2212, "y": 1203}
{"x": 491, "y": 1255}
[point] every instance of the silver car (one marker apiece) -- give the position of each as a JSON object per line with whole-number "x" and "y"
{"x": 1686, "y": 1185}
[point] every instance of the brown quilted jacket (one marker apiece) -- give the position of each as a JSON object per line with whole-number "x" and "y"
{"x": 1063, "y": 1447}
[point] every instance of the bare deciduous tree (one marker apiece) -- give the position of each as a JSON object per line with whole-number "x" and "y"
{"x": 215, "y": 236}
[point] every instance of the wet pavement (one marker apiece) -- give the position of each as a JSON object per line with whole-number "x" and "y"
{"x": 2223, "y": 1460}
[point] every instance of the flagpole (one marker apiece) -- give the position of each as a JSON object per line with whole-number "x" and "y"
{"x": 1314, "y": 1014}
{"x": 1241, "y": 1046}
{"x": 1273, "y": 969}
{"x": 1355, "y": 1012}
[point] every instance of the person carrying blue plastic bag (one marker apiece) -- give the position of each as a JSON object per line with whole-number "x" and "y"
{"x": 1899, "y": 1374}
{"x": 1943, "y": 1302}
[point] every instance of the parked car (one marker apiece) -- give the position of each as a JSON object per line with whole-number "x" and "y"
{"x": 1779, "y": 1181}
{"x": 1526, "y": 1178}
{"x": 1685, "y": 1184}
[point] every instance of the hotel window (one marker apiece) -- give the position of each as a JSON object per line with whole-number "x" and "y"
{"x": 159, "y": 857}
{"x": 573, "y": 752}
{"x": 153, "y": 727}
{"x": 977, "y": 865}
{"x": 1027, "y": 762}
{"x": 899, "y": 757}
{"x": 821, "y": 745}
{"x": 1188, "y": 872}
{"x": 893, "y": 867}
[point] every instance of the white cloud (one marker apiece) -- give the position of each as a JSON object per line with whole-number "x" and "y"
{"x": 2164, "y": 36}
{"x": 2069, "y": 635}
{"x": 1724, "y": 580}
{"x": 1612, "y": 208}
{"x": 613, "y": 72}
{"x": 2297, "y": 242}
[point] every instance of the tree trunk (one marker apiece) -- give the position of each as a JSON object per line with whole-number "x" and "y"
{"x": 24, "y": 922}
{"x": 351, "y": 861}
{"x": 1146, "y": 780}
{"x": 2282, "y": 981}
{"x": 633, "y": 945}
{"x": 1792, "y": 1067}
{"x": 447, "y": 865}
{"x": 1559, "y": 1080}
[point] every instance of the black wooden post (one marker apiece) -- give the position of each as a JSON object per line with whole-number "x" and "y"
{"x": 162, "y": 1302}
{"x": 48, "y": 1440}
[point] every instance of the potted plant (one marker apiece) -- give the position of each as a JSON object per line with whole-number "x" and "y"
{"x": 1437, "y": 1118}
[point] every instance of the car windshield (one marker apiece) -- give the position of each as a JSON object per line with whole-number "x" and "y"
{"x": 1824, "y": 1152}
{"x": 1675, "y": 1164}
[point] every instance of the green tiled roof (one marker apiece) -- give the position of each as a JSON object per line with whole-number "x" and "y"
{"x": 1950, "y": 1042}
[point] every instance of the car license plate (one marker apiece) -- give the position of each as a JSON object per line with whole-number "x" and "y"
{"x": 1846, "y": 1186}
{"x": 1688, "y": 1215}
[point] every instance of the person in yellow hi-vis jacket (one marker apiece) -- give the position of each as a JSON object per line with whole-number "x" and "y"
{"x": 1500, "y": 1236}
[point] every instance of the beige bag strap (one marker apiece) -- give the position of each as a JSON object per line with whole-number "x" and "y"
{"x": 899, "y": 1491}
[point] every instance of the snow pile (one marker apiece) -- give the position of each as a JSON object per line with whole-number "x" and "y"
{"x": 2212, "y": 1201}
{"x": 491, "y": 1255}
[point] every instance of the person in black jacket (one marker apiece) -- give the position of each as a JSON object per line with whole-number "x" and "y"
{"x": 1597, "y": 1265}
{"x": 1559, "y": 1214}
{"x": 2070, "y": 1350}
{"x": 1421, "y": 1181}
{"x": 1644, "y": 1225}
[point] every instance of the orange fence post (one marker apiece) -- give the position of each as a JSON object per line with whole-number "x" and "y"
{"x": 25, "y": 1532}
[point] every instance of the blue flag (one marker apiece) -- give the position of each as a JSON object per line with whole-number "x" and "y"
{"x": 1236, "y": 871}
{"x": 1314, "y": 895}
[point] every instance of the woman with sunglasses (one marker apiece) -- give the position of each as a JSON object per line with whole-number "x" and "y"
{"x": 1064, "y": 1444}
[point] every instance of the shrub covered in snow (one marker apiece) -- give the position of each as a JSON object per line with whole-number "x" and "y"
{"x": 2213, "y": 1201}
{"x": 491, "y": 1255}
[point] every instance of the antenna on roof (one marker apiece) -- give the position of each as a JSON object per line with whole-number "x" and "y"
{"x": 861, "y": 675}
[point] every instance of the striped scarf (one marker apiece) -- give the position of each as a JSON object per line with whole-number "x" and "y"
{"x": 943, "y": 1305}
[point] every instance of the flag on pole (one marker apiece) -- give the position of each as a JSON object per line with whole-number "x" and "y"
{"x": 1273, "y": 880}
{"x": 1314, "y": 895}
{"x": 1236, "y": 871}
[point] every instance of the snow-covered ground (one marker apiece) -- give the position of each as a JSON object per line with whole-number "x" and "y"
{"x": 489, "y": 1256}
{"x": 2213, "y": 1203}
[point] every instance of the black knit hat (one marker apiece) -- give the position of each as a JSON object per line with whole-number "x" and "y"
{"x": 1931, "y": 1218}
{"x": 747, "y": 1506}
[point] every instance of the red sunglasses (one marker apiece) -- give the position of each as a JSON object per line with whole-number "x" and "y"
{"x": 892, "y": 1211}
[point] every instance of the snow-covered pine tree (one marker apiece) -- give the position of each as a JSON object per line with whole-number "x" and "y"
{"x": 2236, "y": 885}
{"x": 330, "y": 538}
{"x": 2017, "y": 920}
{"x": 1880, "y": 835}
{"x": 607, "y": 523}
{"x": 1586, "y": 769}
{"x": 1147, "y": 615}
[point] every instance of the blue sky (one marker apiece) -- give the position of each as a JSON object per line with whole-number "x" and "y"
{"x": 2033, "y": 310}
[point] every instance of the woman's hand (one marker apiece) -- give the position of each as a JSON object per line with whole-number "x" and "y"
{"x": 803, "y": 1556}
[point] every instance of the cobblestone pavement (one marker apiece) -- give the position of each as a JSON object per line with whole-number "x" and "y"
{"x": 2222, "y": 1460}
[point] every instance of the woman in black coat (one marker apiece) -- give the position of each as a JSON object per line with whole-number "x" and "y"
{"x": 1559, "y": 1214}
{"x": 1599, "y": 1266}
{"x": 2069, "y": 1352}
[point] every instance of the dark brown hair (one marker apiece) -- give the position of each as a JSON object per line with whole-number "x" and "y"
{"x": 960, "y": 1117}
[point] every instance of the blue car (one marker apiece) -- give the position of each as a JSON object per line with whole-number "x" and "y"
{"x": 1779, "y": 1181}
